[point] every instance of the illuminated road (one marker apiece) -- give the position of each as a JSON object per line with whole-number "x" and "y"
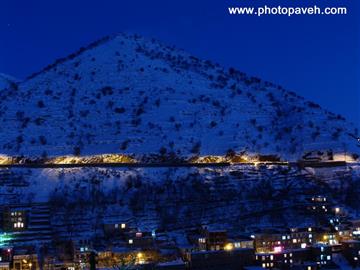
{"x": 160, "y": 165}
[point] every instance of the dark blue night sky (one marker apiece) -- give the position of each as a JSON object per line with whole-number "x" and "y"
{"x": 317, "y": 57}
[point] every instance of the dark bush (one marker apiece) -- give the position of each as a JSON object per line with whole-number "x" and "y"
{"x": 42, "y": 140}
{"x": 119, "y": 110}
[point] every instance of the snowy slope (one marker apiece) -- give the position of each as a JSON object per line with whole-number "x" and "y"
{"x": 7, "y": 82}
{"x": 126, "y": 94}
{"x": 241, "y": 197}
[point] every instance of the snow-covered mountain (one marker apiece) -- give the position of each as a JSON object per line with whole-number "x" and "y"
{"x": 126, "y": 94}
{"x": 7, "y": 82}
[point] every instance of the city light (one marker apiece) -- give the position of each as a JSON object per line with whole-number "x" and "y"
{"x": 140, "y": 258}
{"x": 229, "y": 247}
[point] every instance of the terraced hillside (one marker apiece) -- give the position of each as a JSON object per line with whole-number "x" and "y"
{"x": 76, "y": 203}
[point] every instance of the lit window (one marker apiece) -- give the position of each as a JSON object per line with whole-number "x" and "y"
{"x": 131, "y": 241}
{"x": 328, "y": 257}
{"x": 123, "y": 225}
{"x": 271, "y": 257}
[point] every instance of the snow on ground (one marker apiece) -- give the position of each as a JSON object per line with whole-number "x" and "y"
{"x": 126, "y": 94}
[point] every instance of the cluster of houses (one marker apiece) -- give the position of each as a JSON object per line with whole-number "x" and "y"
{"x": 205, "y": 247}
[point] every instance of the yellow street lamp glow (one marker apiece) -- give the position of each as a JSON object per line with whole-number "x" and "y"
{"x": 229, "y": 247}
{"x": 139, "y": 255}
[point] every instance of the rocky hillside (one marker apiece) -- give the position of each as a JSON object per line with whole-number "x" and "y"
{"x": 126, "y": 94}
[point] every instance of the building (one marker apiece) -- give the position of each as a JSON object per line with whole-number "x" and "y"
{"x": 321, "y": 254}
{"x": 28, "y": 223}
{"x": 319, "y": 204}
{"x": 141, "y": 240}
{"x": 286, "y": 259}
{"x": 351, "y": 251}
{"x": 354, "y": 226}
{"x": 115, "y": 229}
{"x": 283, "y": 258}
{"x": 242, "y": 242}
{"x": 212, "y": 239}
{"x": 344, "y": 233}
{"x": 235, "y": 258}
{"x": 328, "y": 237}
{"x": 25, "y": 262}
{"x": 302, "y": 237}
{"x": 274, "y": 241}
{"x": 270, "y": 241}
{"x": 14, "y": 219}
{"x": 4, "y": 265}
